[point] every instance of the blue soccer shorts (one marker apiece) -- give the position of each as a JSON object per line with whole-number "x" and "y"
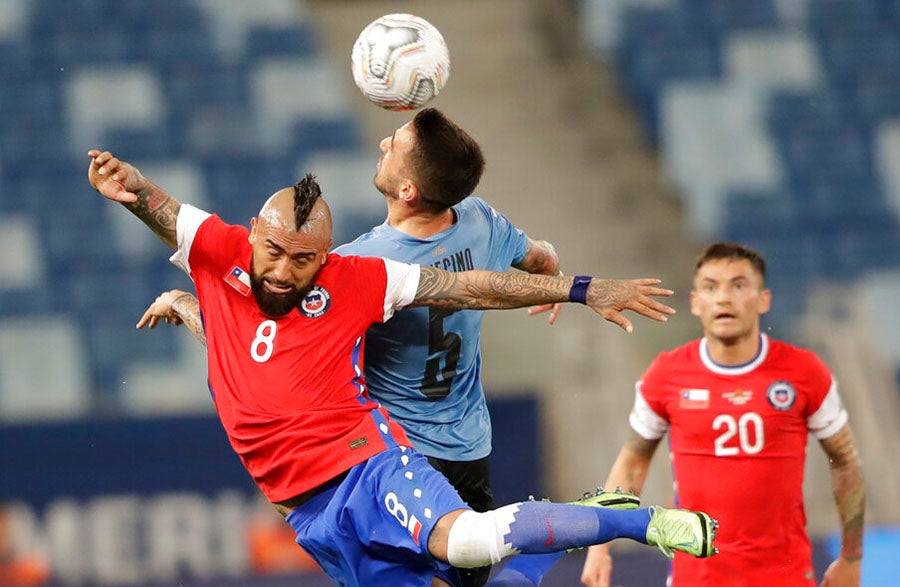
{"x": 373, "y": 528}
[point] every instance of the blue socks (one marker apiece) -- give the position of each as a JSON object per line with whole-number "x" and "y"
{"x": 543, "y": 526}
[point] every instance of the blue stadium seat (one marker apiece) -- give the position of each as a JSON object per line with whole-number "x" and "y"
{"x": 325, "y": 134}
{"x": 878, "y": 95}
{"x": 142, "y": 144}
{"x": 202, "y": 85}
{"x": 30, "y": 302}
{"x": 839, "y": 151}
{"x": 238, "y": 184}
{"x": 731, "y": 15}
{"x": 827, "y": 107}
{"x": 31, "y": 100}
{"x": 173, "y": 48}
{"x": 659, "y": 46}
{"x": 294, "y": 40}
{"x": 17, "y": 61}
{"x": 749, "y": 216}
{"x": 830, "y": 17}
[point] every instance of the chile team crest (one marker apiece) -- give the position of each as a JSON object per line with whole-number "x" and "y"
{"x": 316, "y": 302}
{"x": 781, "y": 395}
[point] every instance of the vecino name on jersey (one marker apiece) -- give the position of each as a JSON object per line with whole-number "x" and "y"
{"x": 458, "y": 261}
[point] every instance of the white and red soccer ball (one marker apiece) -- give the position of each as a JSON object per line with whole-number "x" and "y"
{"x": 400, "y": 62}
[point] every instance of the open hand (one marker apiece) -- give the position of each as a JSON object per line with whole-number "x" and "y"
{"x": 610, "y": 297}
{"x": 114, "y": 179}
{"x": 162, "y": 308}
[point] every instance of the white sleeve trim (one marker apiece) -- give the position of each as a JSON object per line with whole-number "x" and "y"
{"x": 830, "y": 417}
{"x": 186, "y": 226}
{"x": 402, "y": 284}
{"x": 644, "y": 420}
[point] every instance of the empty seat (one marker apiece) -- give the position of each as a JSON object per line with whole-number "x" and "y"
{"x": 730, "y": 15}
{"x": 22, "y": 263}
{"x": 282, "y": 40}
{"x": 112, "y": 96}
{"x": 276, "y": 84}
{"x": 772, "y": 60}
{"x": 192, "y": 87}
{"x": 714, "y": 142}
{"x": 325, "y": 134}
{"x": 33, "y": 387}
{"x": 154, "y": 387}
{"x": 238, "y": 184}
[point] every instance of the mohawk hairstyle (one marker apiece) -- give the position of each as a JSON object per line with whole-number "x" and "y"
{"x": 306, "y": 192}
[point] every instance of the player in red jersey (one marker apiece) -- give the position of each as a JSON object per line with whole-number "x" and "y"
{"x": 284, "y": 322}
{"x": 738, "y": 407}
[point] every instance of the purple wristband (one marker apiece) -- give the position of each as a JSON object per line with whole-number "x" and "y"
{"x": 578, "y": 293}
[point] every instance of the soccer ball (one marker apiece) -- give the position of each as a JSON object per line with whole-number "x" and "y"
{"x": 400, "y": 62}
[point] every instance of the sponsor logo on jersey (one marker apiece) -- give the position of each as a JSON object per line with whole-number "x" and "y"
{"x": 738, "y": 397}
{"x": 694, "y": 399}
{"x": 781, "y": 395}
{"x": 316, "y": 302}
{"x": 238, "y": 279}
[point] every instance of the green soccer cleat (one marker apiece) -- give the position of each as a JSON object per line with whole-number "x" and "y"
{"x": 614, "y": 500}
{"x": 684, "y": 530}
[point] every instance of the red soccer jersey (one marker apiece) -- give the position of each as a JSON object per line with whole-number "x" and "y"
{"x": 289, "y": 390}
{"x": 738, "y": 443}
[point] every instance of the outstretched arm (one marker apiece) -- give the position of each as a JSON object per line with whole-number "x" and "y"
{"x": 175, "y": 307}
{"x": 487, "y": 290}
{"x": 850, "y": 496}
{"x": 120, "y": 181}
{"x": 541, "y": 257}
{"x": 628, "y": 472}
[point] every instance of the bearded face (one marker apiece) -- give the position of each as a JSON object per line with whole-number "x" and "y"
{"x": 288, "y": 297}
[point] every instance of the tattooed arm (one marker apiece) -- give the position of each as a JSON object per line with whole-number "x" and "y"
{"x": 176, "y": 307}
{"x": 486, "y": 290}
{"x": 628, "y": 472}
{"x": 850, "y": 496}
{"x": 541, "y": 257}
{"x": 120, "y": 181}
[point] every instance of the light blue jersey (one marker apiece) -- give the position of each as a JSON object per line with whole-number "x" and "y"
{"x": 424, "y": 364}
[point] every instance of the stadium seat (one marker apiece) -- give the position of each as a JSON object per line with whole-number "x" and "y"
{"x": 312, "y": 135}
{"x": 22, "y": 265}
{"x": 771, "y": 60}
{"x": 238, "y": 183}
{"x": 659, "y": 46}
{"x": 294, "y": 40}
{"x": 726, "y": 17}
{"x": 713, "y": 141}
{"x": 280, "y": 99}
{"x": 97, "y": 98}
{"x": 33, "y": 388}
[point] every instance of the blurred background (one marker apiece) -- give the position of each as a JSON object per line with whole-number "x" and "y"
{"x": 629, "y": 133}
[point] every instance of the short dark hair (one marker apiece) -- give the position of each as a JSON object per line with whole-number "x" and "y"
{"x": 447, "y": 163}
{"x": 730, "y": 250}
{"x": 306, "y": 192}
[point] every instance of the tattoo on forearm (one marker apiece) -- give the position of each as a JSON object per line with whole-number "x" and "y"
{"x": 188, "y": 309}
{"x": 849, "y": 491}
{"x": 483, "y": 290}
{"x": 159, "y": 211}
